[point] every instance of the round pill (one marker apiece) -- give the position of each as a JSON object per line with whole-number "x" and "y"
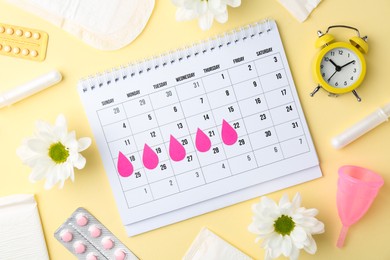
{"x": 25, "y": 52}
{"x": 36, "y": 36}
{"x": 95, "y": 231}
{"x": 81, "y": 219}
{"x": 16, "y": 50}
{"x": 33, "y": 53}
{"x": 19, "y": 32}
{"x": 91, "y": 256}
{"x": 79, "y": 247}
{"x": 10, "y": 31}
{"x": 2, "y": 29}
{"x": 66, "y": 235}
{"x": 107, "y": 243}
{"x": 27, "y": 34}
{"x": 120, "y": 254}
{"x": 7, "y": 48}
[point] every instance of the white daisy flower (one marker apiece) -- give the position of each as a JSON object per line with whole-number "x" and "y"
{"x": 53, "y": 152}
{"x": 285, "y": 228}
{"x": 206, "y": 10}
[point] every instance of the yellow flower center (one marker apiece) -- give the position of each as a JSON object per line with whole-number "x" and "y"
{"x": 58, "y": 153}
{"x": 284, "y": 225}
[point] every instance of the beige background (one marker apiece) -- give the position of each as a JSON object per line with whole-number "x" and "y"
{"x": 326, "y": 117}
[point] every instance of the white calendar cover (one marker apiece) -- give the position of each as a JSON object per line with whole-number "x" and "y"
{"x": 200, "y": 129}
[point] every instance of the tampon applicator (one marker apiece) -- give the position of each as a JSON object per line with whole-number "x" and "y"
{"x": 30, "y": 88}
{"x": 360, "y": 128}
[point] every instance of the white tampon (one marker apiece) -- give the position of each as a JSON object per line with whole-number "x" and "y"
{"x": 20, "y": 92}
{"x": 360, "y": 128}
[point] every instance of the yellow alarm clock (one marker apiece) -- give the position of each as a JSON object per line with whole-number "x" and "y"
{"x": 340, "y": 67}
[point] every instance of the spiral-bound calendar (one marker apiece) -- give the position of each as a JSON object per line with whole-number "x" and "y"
{"x": 200, "y": 128}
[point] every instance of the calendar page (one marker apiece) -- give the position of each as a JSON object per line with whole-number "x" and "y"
{"x": 201, "y": 128}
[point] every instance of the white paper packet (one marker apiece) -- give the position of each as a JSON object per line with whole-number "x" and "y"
{"x": 21, "y": 235}
{"x": 300, "y": 9}
{"x": 208, "y": 245}
{"x": 103, "y": 24}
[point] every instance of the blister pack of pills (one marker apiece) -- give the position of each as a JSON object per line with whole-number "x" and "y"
{"x": 22, "y": 42}
{"x": 88, "y": 239}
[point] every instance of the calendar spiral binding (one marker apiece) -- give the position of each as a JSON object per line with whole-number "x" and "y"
{"x": 140, "y": 67}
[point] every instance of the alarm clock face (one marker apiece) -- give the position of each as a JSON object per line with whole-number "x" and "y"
{"x": 340, "y": 67}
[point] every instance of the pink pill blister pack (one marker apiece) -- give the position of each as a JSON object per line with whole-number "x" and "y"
{"x": 84, "y": 236}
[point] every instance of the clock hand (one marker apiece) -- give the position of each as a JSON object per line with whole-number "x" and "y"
{"x": 333, "y": 63}
{"x": 353, "y": 61}
{"x": 338, "y": 68}
{"x": 332, "y": 76}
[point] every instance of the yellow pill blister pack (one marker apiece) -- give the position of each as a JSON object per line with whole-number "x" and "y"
{"x": 22, "y": 42}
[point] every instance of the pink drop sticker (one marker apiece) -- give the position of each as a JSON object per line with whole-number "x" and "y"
{"x": 177, "y": 152}
{"x": 229, "y": 134}
{"x": 149, "y": 158}
{"x": 202, "y": 141}
{"x": 125, "y": 167}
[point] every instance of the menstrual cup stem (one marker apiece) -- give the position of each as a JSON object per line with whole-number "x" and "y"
{"x": 343, "y": 234}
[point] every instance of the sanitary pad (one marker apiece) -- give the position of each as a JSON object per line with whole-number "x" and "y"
{"x": 208, "y": 245}
{"x": 300, "y": 9}
{"x": 103, "y": 24}
{"x": 21, "y": 235}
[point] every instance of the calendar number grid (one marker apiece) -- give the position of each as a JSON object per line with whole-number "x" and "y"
{"x": 239, "y": 104}
{"x": 265, "y": 100}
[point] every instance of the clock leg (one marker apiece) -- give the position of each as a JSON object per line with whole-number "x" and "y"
{"x": 356, "y": 95}
{"x": 315, "y": 90}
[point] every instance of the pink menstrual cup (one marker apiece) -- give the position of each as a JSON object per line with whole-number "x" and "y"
{"x": 357, "y": 189}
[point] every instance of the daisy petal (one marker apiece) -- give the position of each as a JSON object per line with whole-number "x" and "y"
{"x": 43, "y": 127}
{"x": 71, "y": 174}
{"x": 222, "y": 17}
{"x": 253, "y": 228}
{"x": 267, "y": 202}
{"x": 206, "y": 11}
{"x": 268, "y": 255}
{"x": 38, "y": 173}
{"x": 206, "y": 20}
{"x": 310, "y": 212}
{"x": 63, "y": 174}
{"x": 38, "y": 146}
{"x": 298, "y": 235}
{"x": 294, "y": 253}
{"x": 265, "y": 227}
{"x": 80, "y": 162}
{"x": 296, "y": 201}
{"x": 275, "y": 252}
{"x": 276, "y": 241}
{"x": 61, "y": 124}
{"x": 51, "y": 178}
{"x": 178, "y": 2}
{"x": 284, "y": 200}
{"x": 70, "y": 141}
{"x": 318, "y": 228}
{"x": 61, "y": 184}
{"x": 307, "y": 221}
{"x": 217, "y": 7}
{"x": 233, "y": 3}
{"x": 286, "y": 245}
{"x": 27, "y": 156}
{"x": 183, "y": 14}
{"x": 84, "y": 143}
{"x": 201, "y": 7}
{"x": 311, "y": 248}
